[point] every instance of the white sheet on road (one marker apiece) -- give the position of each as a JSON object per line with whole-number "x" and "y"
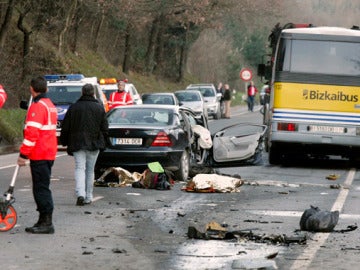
{"x": 219, "y": 183}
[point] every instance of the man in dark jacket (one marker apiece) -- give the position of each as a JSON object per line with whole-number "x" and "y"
{"x": 84, "y": 132}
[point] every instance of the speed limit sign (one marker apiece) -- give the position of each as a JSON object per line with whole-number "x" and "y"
{"x": 245, "y": 74}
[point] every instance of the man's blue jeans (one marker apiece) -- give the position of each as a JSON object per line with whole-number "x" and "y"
{"x": 251, "y": 101}
{"x": 84, "y": 173}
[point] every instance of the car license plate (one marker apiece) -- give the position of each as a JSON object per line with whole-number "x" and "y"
{"x": 128, "y": 141}
{"x": 326, "y": 129}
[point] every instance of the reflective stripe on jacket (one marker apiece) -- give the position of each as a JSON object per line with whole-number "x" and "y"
{"x": 119, "y": 99}
{"x": 40, "y": 142}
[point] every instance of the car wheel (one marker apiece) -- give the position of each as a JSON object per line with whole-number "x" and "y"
{"x": 217, "y": 115}
{"x": 183, "y": 173}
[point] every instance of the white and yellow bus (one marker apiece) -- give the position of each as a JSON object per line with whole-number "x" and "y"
{"x": 314, "y": 106}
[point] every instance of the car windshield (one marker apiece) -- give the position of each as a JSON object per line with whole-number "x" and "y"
{"x": 64, "y": 94}
{"x": 206, "y": 92}
{"x": 108, "y": 92}
{"x": 187, "y": 97}
{"x": 158, "y": 99}
{"x": 145, "y": 116}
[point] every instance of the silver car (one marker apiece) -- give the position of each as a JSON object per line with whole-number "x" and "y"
{"x": 211, "y": 97}
{"x": 192, "y": 99}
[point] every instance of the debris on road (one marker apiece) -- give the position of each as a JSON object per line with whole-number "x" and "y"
{"x": 214, "y": 231}
{"x": 337, "y": 186}
{"x": 208, "y": 183}
{"x": 117, "y": 177}
{"x": 254, "y": 263}
{"x": 154, "y": 177}
{"x": 332, "y": 176}
{"x": 316, "y": 220}
{"x": 349, "y": 228}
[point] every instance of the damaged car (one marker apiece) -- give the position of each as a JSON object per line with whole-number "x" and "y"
{"x": 238, "y": 144}
{"x": 177, "y": 138}
{"x": 140, "y": 134}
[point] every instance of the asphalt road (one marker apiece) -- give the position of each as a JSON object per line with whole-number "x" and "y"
{"x": 129, "y": 228}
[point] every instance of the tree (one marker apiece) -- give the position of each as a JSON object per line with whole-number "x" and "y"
{"x": 26, "y": 40}
{"x": 6, "y": 23}
{"x": 69, "y": 17}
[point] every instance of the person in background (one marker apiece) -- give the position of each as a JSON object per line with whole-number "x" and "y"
{"x": 220, "y": 90}
{"x": 40, "y": 147}
{"x": 227, "y": 100}
{"x": 84, "y": 131}
{"x": 3, "y": 96}
{"x": 120, "y": 97}
{"x": 251, "y": 93}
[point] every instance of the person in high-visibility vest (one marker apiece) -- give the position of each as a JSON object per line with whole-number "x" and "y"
{"x": 40, "y": 147}
{"x": 3, "y": 96}
{"x": 120, "y": 97}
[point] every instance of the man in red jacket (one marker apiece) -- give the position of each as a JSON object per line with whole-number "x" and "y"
{"x": 251, "y": 92}
{"x": 40, "y": 147}
{"x": 120, "y": 97}
{"x": 3, "y": 96}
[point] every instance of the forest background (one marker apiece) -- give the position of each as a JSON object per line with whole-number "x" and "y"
{"x": 159, "y": 45}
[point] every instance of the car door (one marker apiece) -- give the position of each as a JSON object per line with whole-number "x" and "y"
{"x": 134, "y": 94}
{"x": 237, "y": 144}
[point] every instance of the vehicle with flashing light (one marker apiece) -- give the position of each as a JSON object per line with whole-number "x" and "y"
{"x": 64, "y": 90}
{"x": 314, "y": 108}
{"x": 109, "y": 85}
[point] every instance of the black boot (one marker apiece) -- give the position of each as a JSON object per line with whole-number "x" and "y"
{"x": 46, "y": 227}
{"x": 37, "y": 224}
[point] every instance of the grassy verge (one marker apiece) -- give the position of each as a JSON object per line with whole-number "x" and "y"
{"x": 11, "y": 125}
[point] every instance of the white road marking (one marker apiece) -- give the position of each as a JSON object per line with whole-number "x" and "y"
{"x": 24, "y": 189}
{"x": 293, "y": 214}
{"x": 97, "y": 198}
{"x": 134, "y": 194}
{"x": 14, "y": 164}
{"x": 318, "y": 239}
{"x": 8, "y": 166}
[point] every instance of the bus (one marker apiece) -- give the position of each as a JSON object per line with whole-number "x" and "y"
{"x": 314, "y": 106}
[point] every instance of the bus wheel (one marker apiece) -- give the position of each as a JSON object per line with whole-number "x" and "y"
{"x": 274, "y": 156}
{"x": 354, "y": 161}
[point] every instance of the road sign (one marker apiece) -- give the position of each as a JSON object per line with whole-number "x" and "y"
{"x": 245, "y": 74}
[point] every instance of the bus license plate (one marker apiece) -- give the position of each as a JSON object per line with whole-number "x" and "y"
{"x": 128, "y": 141}
{"x": 326, "y": 129}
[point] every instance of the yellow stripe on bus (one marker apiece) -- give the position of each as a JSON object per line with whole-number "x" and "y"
{"x": 317, "y": 97}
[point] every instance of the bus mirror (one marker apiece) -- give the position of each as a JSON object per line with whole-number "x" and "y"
{"x": 264, "y": 71}
{"x": 267, "y": 73}
{"x": 261, "y": 70}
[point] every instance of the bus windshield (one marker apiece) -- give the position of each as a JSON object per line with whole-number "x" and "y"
{"x": 319, "y": 57}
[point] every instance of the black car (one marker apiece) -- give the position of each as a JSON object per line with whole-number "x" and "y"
{"x": 140, "y": 134}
